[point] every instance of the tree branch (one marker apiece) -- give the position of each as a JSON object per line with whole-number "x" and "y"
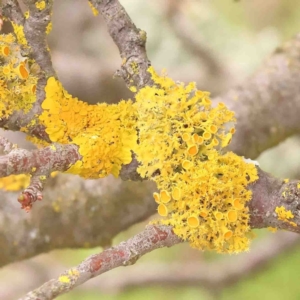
{"x": 213, "y": 276}
{"x": 267, "y": 105}
{"x": 210, "y": 275}
{"x": 74, "y": 213}
{"x": 12, "y": 10}
{"x": 43, "y": 161}
{"x": 126, "y": 253}
{"x": 130, "y": 41}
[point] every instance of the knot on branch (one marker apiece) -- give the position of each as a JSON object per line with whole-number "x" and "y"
{"x": 28, "y": 197}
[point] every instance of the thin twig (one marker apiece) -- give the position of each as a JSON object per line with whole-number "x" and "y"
{"x": 215, "y": 275}
{"x": 125, "y": 254}
{"x": 130, "y": 41}
{"x": 39, "y": 162}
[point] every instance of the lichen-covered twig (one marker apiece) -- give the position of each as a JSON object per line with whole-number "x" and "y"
{"x": 126, "y": 253}
{"x": 31, "y": 34}
{"x": 210, "y": 275}
{"x": 38, "y": 162}
{"x": 35, "y": 30}
{"x": 33, "y": 192}
{"x": 130, "y": 41}
{"x": 213, "y": 276}
{"x": 12, "y": 10}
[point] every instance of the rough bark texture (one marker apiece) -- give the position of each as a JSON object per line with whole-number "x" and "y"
{"x": 130, "y": 41}
{"x": 73, "y": 214}
{"x": 126, "y": 253}
{"x": 267, "y": 105}
{"x": 78, "y": 213}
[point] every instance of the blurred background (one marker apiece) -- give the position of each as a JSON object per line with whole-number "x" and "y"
{"x": 218, "y": 44}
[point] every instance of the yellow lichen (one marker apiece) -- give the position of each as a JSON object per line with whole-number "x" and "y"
{"x": 56, "y": 206}
{"x": 74, "y": 272}
{"x": 105, "y": 134}
{"x": 40, "y": 5}
{"x": 272, "y": 229}
{"x": 64, "y": 279}
{"x": 36, "y": 141}
{"x": 14, "y": 182}
{"x": 133, "y": 89}
{"x": 285, "y": 215}
{"x": 203, "y": 191}
{"x": 94, "y": 9}
{"x": 17, "y": 84}
{"x": 19, "y": 32}
{"x": 49, "y": 28}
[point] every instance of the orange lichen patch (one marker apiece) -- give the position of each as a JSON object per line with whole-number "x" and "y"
{"x": 236, "y": 203}
{"x": 213, "y": 128}
{"x": 177, "y": 119}
{"x": 23, "y": 73}
{"x": 5, "y": 50}
{"x": 227, "y": 234}
{"x": 186, "y": 164}
{"x": 33, "y": 88}
{"x": 176, "y": 193}
{"x": 14, "y": 182}
{"x": 232, "y": 130}
{"x": 165, "y": 196}
{"x": 198, "y": 139}
{"x": 186, "y": 137}
{"x": 156, "y": 197}
{"x": 232, "y": 216}
{"x": 215, "y": 142}
{"x": 206, "y": 135}
{"x": 6, "y": 70}
{"x": 162, "y": 210}
{"x": 193, "y": 221}
{"x": 203, "y": 213}
{"x": 192, "y": 150}
{"x": 206, "y": 101}
{"x": 218, "y": 215}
